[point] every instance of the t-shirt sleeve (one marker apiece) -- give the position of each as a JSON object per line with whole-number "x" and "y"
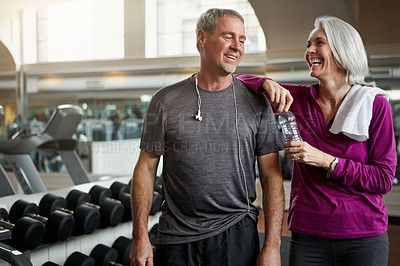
{"x": 268, "y": 137}
{"x": 153, "y": 134}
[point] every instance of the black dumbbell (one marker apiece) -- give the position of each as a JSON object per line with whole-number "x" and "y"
{"x": 156, "y": 203}
{"x": 157, "y": 197}
{"x": 78, "y": 258}
{"x": 126, "y": 202}
{"x": 5, "y": 233}
{"x": 104, "y": 255}
{"x": 100, "y": 255}
{"x": 50, "y": 263}
{"x": 26, "y": 234}
{"x": 87, "y": 218}
{"x": 111, "y": 211}
{"x": 153, "y": 234}
{"x": 123, "y": 246}
{"x": 121, "y": 192}
{"x": 158, "y": 184}
{"x": 58, "y": 225}
{"x": 99, "y": 194}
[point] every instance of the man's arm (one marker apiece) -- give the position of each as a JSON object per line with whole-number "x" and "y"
{"x": 273, "y": 201}
{"x": 142, "y": 189}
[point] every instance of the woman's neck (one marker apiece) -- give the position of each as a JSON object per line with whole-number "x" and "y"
{"x": 333, "y": 91}
{"x": 331, "y": 95}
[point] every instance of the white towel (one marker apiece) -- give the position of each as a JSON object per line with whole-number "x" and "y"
{"x": 355, "y": 112}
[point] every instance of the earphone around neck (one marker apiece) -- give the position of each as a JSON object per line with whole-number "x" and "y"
{"x": 198, "y": 115}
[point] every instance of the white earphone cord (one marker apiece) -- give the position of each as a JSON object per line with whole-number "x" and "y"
{"x": 198, "y": 117}
{"x": 238, "y": 140}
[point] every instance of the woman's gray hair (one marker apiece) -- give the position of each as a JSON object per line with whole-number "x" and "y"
{"x": 209, "y": 19}
{"x": 347, "y": 47}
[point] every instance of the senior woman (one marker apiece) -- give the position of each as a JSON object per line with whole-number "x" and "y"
{"x": 347, "y": 159}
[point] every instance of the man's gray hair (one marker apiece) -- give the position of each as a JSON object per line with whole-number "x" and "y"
{"x": 209, "y": 19}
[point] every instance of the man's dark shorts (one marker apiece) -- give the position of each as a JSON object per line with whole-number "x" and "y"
{"x": 237, "y": 246}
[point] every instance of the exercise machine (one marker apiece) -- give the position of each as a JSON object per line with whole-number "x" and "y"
{"x": 57, "y": 137}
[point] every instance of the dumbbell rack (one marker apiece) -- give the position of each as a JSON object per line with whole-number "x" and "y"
{"x": 58, "y": 252}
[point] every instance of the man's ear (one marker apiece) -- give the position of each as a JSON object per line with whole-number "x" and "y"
{"x": 201, "y": 37}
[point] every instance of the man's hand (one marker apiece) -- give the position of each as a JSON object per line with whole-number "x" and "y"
{"x": 278, "y": 95}
{"x": 269, "y": 256}
{"x": 142, "y": 189}
{"x": 141, "y": 253}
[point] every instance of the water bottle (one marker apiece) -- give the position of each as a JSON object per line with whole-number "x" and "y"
{"x": 288, "y": 125}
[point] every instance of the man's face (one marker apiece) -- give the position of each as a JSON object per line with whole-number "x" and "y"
{"x": 225, "y": 48}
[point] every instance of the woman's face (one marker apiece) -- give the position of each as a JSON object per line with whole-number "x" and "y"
{"x": 319, "y": 56}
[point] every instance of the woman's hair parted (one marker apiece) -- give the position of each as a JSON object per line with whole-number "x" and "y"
{"x": 347, "y": 47}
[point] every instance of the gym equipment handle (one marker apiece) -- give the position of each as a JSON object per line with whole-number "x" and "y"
{"x": 13, "y": 256}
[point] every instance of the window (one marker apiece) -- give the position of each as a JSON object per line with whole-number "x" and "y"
{"x": 81, "y": 30}
{"x": 172, "y": 33}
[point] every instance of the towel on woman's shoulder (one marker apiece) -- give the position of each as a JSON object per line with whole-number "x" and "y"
{"x": 355, "y": 112}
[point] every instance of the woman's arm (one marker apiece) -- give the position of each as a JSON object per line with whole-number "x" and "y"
{"x": 378, "y": 173}
{"x": 278, "y": 96}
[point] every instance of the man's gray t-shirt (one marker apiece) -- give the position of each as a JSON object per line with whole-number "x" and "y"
{"x": 204, "y": 181}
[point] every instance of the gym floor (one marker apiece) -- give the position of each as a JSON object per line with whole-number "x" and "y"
{"x": 393, "y": 232}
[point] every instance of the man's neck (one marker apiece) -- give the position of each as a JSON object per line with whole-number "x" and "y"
{"x": 212, "y": 82}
